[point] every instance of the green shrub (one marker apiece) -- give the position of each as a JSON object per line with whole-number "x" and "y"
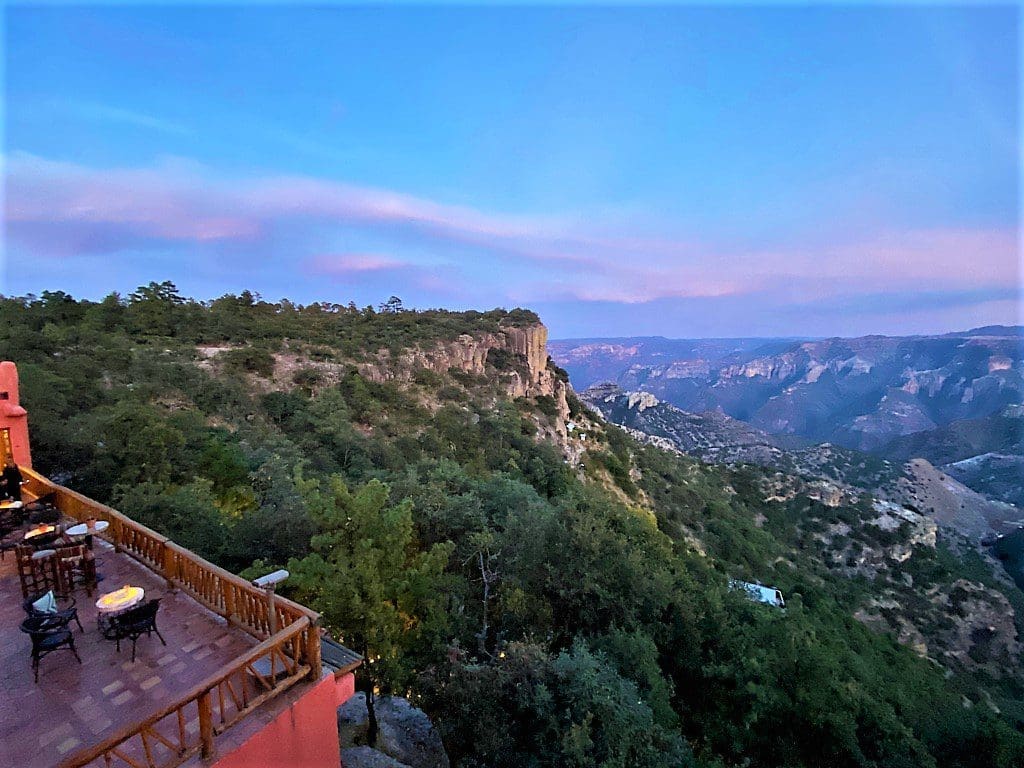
{"x": 307, "y": 378}
{"x": 247, "y": 360}
{"x": 450, "y": 392}
{"x": 427, "y": 378}
{"x": 546, "y": 404}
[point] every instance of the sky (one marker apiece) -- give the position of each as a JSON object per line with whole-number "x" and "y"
{"x": 682, "y": 171}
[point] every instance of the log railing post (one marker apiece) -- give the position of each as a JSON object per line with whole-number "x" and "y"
{"x": 271, "y": 611}
{"x": 169, "y": 566}
{"x": 229, "y": 602}
{"x": 206, "y": 723}
{"x": 312, "y": 637}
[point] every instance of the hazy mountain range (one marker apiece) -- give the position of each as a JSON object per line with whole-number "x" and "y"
{"x": 953, "y": 399}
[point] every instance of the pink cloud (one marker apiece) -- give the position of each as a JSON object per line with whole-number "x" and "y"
{"x": 352, "y": 264}
{"x": 63, "y": 209}
{"x": 181, "y": 201}
{"x": 166, "y": 203}
{"x": 443, "y": 279}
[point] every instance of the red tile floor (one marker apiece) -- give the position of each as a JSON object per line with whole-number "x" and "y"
{"x": 74, "y": 706}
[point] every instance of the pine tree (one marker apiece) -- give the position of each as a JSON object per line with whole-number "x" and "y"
{"x": 375, "y": 590}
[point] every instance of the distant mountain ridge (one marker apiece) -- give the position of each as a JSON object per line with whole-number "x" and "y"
{"x": 993, "y": 330}
{"x": 860, "y": 393}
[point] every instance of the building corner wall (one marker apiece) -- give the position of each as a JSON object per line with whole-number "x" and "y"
{"x": 303, "y": 736}
{"x": 13, "y": 417}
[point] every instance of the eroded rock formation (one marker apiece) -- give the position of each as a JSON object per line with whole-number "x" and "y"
{"x": 517, "y": 355}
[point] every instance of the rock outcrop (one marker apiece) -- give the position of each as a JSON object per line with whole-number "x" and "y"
{"x": 353, "y": 721}
{"x": 517, "y": 356}
{"x": 953, "y": 504}
{"x": 405, "y": 736}
{"x": 406, "y": 733}
{"x": 969, "y": 626}
{"x": 368, "y": 757}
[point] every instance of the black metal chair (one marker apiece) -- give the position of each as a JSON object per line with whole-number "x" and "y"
{"x": 12, "y": 534}
{"x": 66, "y": 611}
{"x": 133, "y": 624}
{"x": 12, "y": 518}
{"x": 43, "y": 510}
{"x": 48, "y": 635}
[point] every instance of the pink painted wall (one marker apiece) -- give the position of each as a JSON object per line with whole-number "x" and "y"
{"x": 303, "y": 736}
{"x": 346, "y": 688}
{"x": 12, "y": 416}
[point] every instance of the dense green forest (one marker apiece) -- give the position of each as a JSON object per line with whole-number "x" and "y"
{"x": 543, "y": 614}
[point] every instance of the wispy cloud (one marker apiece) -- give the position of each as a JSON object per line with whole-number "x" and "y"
{"x": 388, "y": 273}
{"x": 62, "y": 209}
{"x": 352, "y": 264}
{"x": 113, "y": 114}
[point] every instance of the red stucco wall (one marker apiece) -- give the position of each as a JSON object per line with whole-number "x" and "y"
{"x": 12, "y": 415}
{"x": 304, "y": 736}
{"x": 346, "y": 688}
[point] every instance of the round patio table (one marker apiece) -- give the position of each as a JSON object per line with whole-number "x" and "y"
{"x": 42, "y": 535}
{"x": 120, "y": 600}
{"x": 83, "y": 529}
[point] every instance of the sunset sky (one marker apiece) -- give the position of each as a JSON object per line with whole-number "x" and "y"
{"x": 679, "y": 171}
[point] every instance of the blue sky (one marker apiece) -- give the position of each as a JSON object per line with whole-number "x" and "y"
{"x": 681, "y": 171}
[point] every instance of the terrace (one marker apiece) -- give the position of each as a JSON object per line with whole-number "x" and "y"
{"x": 229, "y": 655}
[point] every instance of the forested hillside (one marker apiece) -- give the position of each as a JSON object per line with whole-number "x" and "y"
{"x": 552, "y": 595}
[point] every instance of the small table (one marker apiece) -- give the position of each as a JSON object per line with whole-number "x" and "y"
{"x": 41, "y": 534}
{"x": 120, "y": 600}
{"x": 87, "y": 530}
{"x": 84, "y": 529}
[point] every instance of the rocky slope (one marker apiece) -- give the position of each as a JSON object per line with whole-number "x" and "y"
{"x": 717, "y": 438}
{"x": 515, "y": 358}
{"x": 953, "y": 504}
{"x": 887, "y": 542}
{"x": 986, "y": 454}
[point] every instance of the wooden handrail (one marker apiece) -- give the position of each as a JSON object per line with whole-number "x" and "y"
{"x": 198, "y": 693}
{"x": 296, "y": 643}
{"x": 221, "y": 591}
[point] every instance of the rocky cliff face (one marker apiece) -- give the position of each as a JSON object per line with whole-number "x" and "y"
{"x": 516, "y": 357}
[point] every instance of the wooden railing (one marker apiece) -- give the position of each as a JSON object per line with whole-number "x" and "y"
{"x": 290, "y": 647}
{"x": 188, "y": 726}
